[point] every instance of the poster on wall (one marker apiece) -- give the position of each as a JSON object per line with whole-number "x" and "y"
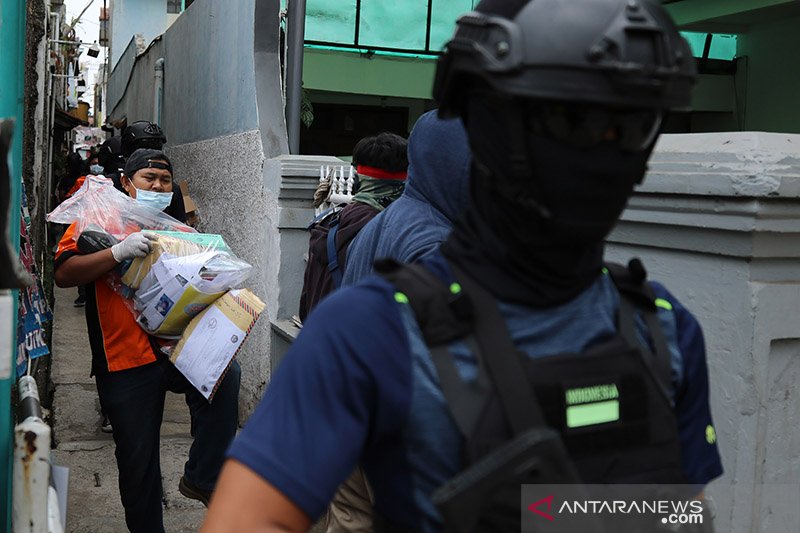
{"x": 33, "y": 311}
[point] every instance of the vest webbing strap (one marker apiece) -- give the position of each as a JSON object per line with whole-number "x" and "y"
{"x": 464, "y": 399}
{"x": 502, "y": 359}
{"x": 658, "y": 364}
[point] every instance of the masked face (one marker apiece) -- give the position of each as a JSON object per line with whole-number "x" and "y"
{"x": 151, "y": 187}
{"x": 585, "y": 190}
{"x": 567, "y": 172}
{"x": 156, "y": 200}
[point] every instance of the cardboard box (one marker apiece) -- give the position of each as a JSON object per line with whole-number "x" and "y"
{"x": 192, "y": 217}
{"x": 214, "y": 337}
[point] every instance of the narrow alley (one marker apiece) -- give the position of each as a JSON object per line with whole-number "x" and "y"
{"x": 93, "y": 504}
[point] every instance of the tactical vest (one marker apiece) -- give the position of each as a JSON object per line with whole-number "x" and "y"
{"x": 600, "y": 417}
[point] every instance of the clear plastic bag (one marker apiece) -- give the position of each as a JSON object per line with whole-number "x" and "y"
{"x": 184, "y": 272}
{"x": 178, "y": 287}
{"x": 98, "y": 203}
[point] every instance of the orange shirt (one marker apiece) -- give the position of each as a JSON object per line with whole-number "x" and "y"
{"x": 117, "y": 341}
{"x": 75, "y": 186}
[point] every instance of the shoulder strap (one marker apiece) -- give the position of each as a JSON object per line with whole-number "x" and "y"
{"x": 322, "y": 216}
{"x": 636, "y": 295}
{"x": 631, "y": 282}
{"x": 503, "y": 360}
{"x": 333, "y": 259}
{"x": 445, "y": 314}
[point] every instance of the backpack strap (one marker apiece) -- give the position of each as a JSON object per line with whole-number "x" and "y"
{"x": 333, "y": 259}
{"x": 638, "y": 297}
{"x": 322, "y": 216}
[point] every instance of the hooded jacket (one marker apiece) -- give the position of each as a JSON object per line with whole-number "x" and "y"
{"x": 437, "y": 191}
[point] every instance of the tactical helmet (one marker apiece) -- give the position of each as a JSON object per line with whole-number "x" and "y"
{"x": 110, "y": 155}
{"x": 142, "y": 134}
{"x": 615, "y": 53}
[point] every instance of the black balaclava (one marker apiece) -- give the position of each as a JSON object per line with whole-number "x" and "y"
{"x": 540, "y": 209}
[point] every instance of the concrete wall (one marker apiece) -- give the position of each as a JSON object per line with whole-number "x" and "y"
{"x": 128, "y": 17}
{"x": 35, "y": 137}
{"x": 380, "y": 75}
{"x": 121, "y": 73}
{"x": 223, "y": 117}
{"x": 718, "y": 222}
{"x": 773, "y": 79}
{"x": 209, "y": 79}
{"x": 226, "y": 182}
{"x": 133, "y": 94}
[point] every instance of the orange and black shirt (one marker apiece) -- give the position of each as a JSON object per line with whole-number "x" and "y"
{"x": 116, "y": 340}
{"x": 75, "y": 186}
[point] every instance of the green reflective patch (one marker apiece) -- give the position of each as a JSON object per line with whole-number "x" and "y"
{"x": 590, "y": 414}
{"x": 455, "y": 288}
{"x": 711, "y": 434}
{"x": 400, "y": 298}
{"x": 595, "y": 393}
{"x": 605, "y": 271}
{"x": 663, "y": 304}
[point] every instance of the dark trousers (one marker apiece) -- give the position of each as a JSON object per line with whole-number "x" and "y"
{"x": 134, "y": 401}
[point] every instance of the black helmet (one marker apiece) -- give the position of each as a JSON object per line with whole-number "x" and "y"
{"x": 109, "y": 155}
{"x": 142, "y": 134}
{"x": 616, "y": 53}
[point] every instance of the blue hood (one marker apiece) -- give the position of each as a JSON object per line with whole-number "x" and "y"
{"x": 439, "y": 164}
{"x": 437, "y": 191}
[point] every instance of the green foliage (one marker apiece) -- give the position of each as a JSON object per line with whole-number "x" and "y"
{"x": 306, "y": 110}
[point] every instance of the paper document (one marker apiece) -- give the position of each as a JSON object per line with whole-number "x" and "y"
{"x": 212, "y": 339}
{"x": 176, "y": 289}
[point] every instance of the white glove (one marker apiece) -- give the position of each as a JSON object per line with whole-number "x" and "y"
{"x": 134, "y": 245}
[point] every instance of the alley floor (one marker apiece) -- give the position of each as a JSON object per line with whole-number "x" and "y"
{"x": 93, "y": 500}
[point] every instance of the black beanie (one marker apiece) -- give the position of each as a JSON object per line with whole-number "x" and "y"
{"x": 146, "y": 158}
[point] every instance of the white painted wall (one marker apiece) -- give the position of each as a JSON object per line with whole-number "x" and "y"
{"x": 718, "y": 222}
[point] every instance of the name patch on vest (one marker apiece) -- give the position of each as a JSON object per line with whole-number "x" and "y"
{"x": 588, "y": 406}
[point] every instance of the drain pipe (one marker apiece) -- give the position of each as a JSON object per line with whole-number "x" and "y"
{"x": 31, "y": 505}
{"x": 158, "y": 95}
{"x": 296, "y": 25}
{"x": 51, "y": 109}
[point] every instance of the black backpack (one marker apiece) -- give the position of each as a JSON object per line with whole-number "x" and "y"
{"x": 601, "y": 417}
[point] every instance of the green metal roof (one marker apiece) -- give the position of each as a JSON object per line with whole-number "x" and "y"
{"x": 422, "y": 27}
{"x": 405, "y": 26}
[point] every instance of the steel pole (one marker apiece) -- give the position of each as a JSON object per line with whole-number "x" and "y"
{"x": 295, "y": 29}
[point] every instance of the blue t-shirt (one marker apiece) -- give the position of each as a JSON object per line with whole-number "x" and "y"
{"x": 358, "y": 387}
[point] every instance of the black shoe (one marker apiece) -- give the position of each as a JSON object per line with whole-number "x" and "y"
{"x": 79, "y": 302}
{"x": 190, "y": 491}
{"x": 105, "y": 425}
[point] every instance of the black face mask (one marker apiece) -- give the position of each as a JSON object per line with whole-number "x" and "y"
{"x": 541, "y": 208}
{"x": 583, "y": 190}
{"x": 577, "y": 192}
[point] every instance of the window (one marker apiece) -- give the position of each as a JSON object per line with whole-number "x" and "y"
{"x": 174, "y": 6}
{"x": 720, "y": 46}
{"x": 399, "y": 26}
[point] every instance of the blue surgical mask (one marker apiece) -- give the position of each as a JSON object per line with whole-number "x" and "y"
{"x": 96, "y": 170}
{"x": 156, "y": 200}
